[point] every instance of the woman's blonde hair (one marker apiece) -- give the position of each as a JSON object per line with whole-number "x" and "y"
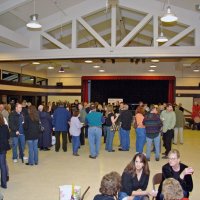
{"x": 171, "y": 189}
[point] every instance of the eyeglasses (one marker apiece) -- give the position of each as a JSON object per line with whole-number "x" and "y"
{"x": 172, "y": 158}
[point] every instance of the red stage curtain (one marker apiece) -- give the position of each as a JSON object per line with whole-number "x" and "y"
{"x": 171, "y": 92}
{"x": 85, "y": 90}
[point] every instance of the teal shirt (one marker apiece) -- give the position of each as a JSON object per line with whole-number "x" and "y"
{"x": 94, "y": 119}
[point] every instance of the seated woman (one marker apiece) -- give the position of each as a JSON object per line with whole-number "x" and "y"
{"x": 135, "y": 179}
{"x": 177, "y": 170}
{"x": 172, "y": 189}
{"x": 110, "y": 186}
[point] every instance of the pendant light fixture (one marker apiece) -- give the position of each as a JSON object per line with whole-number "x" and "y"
{"x": 161, "y": 38}
{"x": 34, "y": 24}
{"x": 169, "y": 16}
{"x": 61, "y": 70}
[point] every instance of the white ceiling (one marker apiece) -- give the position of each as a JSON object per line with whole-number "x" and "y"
{"x": 14, "y": 14}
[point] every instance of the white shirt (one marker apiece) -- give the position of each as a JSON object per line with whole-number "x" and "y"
{"x": 75, "y": 126}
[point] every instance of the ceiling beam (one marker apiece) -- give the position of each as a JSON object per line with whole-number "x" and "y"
{"x": 53, "y": 40}
{"x": 192, "y": 18}
{"x": 10, "y": 5}
{"x": 126, "y": 52}
{"x": 135, "y": 30}
{"x": 93, "y": 32}
{"x": 178, "y": 36}
{"x": 13, "y": 38}
{"x": 113, "y": 26}
{"x": 85, "y": 8}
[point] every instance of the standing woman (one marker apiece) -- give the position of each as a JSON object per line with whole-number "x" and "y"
{"x": 75, "y": 131}
{"x": 32, "y": 134}
{"x": 135, "y": 179}
{"x": 44, "y": 142}
{"x": 109, "y": 126}
{"x": 140, "y": 129}
{"x": 4, "y": 147}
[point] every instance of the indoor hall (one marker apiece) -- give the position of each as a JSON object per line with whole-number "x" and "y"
{"x": 61, "y": 168}
{"x": 69, "y": 44}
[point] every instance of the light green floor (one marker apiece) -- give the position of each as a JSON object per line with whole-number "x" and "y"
{"x": 41, "y": 182}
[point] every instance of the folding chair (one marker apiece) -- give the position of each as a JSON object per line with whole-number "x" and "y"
{"x": 157, "y": 179}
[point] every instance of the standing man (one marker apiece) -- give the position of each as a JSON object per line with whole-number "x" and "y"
{"x": 94, "y": 120}
{"x": 125, "y": 119}
{"x": 168, "y": 118}
{"x": 61, "y": 118}
{"x": 16, "y": 121}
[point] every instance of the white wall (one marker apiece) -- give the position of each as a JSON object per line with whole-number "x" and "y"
{"x": 64, "y": 98}
{"x": 187, "y": 102}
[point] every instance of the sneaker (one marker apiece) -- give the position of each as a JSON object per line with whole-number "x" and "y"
{"x": 25, "y": 158}
{"x": 165, "y": 157}
{"x": 15, "y": 160}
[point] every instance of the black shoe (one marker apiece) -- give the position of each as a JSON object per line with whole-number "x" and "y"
{"x": 92, "y": 157}
{"x": 29, "y": 164}
{"x": 148, "y": 159}
{"x": 76, "y": 154}
{"x": 47, "y": 149}
{"x": 41, "y": 148}
{"x": 112, "y": 150}
{"x": 3, "y": 186}
{"x": 165, "y": 157}
{"x": 120, "y": 149}
{"x": 157, "y": 159}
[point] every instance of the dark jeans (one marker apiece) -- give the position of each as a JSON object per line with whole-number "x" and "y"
{"x": 64, "y": 140}
{"x": 167, "y": 140}
{"x": 3, "y": 169}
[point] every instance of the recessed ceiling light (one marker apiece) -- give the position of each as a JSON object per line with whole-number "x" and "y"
{"x": 96, "y": 66}
{"x": 50, "y": 67}
{"x": 101, "y": 70}
{"x": 196, "y": 70}
{"x": 151, "y": 70}
{"x": 155, "y": 60}
{"x": 88, "y": 61}
{"x": 153, "y": 66}
{"x": 35, "y": 63}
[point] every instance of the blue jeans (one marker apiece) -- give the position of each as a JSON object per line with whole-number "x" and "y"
{"x": 15, "y": 141}
{"x": 3, "y": 168}
{"x": 32, "y": 152}
{"x": 109, "y": 139}
{"x": 156, "y": 142}
{"x": 125, "y": 140}
{"x": 122, "y": 195}
{"x": 75, "y": 144}
{"x": 94, "y": 138}
{"x": 140, "y": 139}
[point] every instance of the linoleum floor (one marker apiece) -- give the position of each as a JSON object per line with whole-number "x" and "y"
{"x": 41, "y": 182}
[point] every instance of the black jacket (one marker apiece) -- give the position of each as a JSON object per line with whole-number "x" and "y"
{"x": 4, "y": 137}
{"x": 126, "y": 119}
{"x": 32, "y": 129}
{"x": 130, "y": 183}
{"x": 168, "y": 172}
{"x": 13, "y": 120}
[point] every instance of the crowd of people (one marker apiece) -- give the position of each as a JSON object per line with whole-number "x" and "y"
{"x": 25, "y": 123}
{"x": 176, "y": 181}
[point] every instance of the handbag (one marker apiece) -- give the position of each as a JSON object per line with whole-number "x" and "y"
{"x": 114, "y": 127}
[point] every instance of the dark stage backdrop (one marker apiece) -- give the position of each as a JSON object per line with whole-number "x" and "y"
{"x": 132, "y": 91}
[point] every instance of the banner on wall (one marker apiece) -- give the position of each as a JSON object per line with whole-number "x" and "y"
{"x": 114, "y": 100}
